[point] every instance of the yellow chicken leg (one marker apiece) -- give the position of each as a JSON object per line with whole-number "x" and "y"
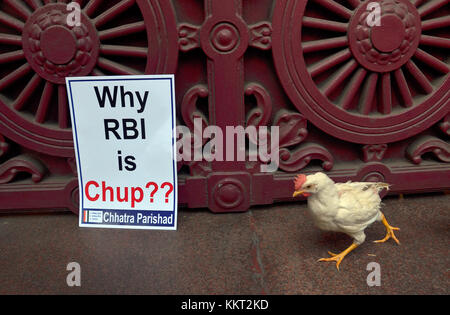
{"x": 339, "y": 257}
{"x": 389, "y": 231}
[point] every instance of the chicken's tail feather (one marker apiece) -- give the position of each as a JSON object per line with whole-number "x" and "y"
{"x": 380, "y": 186}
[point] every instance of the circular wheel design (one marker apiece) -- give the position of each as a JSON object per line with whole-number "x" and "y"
{"x": 41, "y": 45}
{"x": 363, "y": 79}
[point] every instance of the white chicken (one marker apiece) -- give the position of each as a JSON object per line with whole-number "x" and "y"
{"x": 343, "y": 207}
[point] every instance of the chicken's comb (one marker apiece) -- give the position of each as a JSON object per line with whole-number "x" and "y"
{"x": 299, "y": 181}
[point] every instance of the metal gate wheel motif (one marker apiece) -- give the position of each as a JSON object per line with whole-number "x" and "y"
{"x": 358, "y": 101}
{"x": 364, "y": 84}
{"x": 113, "y": 38}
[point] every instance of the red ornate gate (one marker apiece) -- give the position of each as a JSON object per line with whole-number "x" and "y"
{"x": 359, "y": 102}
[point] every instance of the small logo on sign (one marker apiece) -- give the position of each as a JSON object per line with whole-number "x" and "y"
{"x": 92, "y": 216}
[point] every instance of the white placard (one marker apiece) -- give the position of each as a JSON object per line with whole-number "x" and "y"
{"x": 124, "y": 139}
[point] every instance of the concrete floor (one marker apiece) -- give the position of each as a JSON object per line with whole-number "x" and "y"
{"x": 267, "y": 250}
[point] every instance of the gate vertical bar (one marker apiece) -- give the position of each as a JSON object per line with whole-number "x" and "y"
{"x": 224, "y": 38}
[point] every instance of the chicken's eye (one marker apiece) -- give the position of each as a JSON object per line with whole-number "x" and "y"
{"x": 308, "y": 186}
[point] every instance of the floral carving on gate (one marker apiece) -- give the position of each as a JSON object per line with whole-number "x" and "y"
{"x": 439, "y": 148}
{"x": 294, "y": 155}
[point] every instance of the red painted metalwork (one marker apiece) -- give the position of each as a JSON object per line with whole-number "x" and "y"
{"x": 358, "y": 102}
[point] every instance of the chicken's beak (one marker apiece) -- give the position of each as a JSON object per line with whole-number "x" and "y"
{"x": 297, "y": 192}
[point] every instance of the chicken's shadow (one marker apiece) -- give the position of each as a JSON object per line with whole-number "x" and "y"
{"x": 333, "y": 241}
